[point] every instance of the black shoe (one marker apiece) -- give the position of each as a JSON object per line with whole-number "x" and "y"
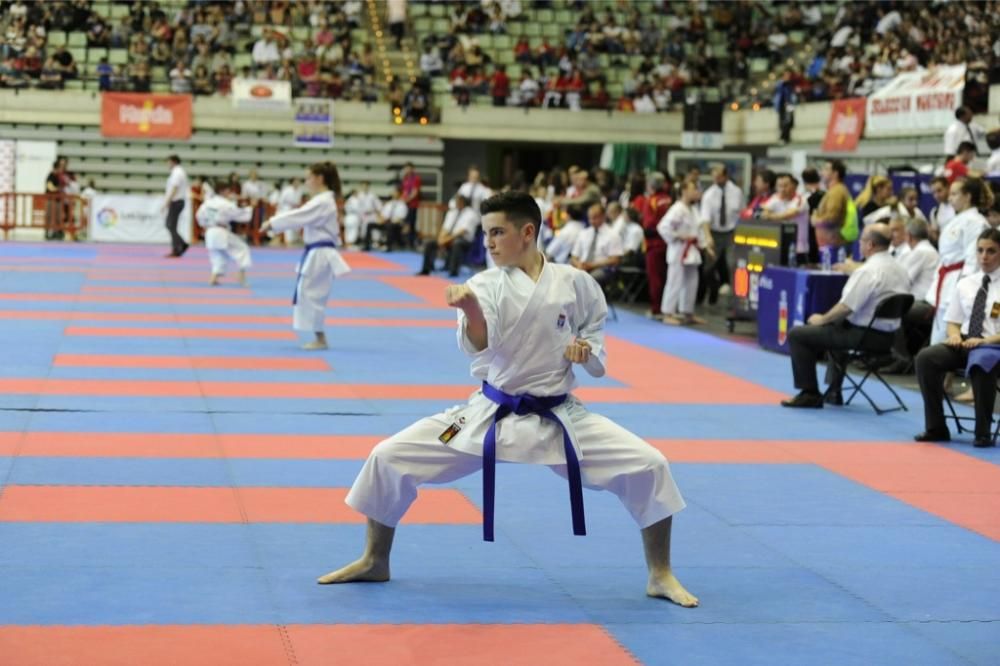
{"x": 983, "y": 442}
{"x": 933, "y": 436}
{"x": 835, "y": 398}
{"x": 422, "y": 273}
{"x": 804, "y": 399}
{"x": 899, "y": 367}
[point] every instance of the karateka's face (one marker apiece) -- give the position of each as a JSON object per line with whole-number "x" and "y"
{"x": 958, "y": 197}
{"x": 313, "y": 182}
{"x": 786, "y": 188}
{"x": 506, "y": 243}
{"x": 988, "y": 254}
{"x": 910, "y": 200}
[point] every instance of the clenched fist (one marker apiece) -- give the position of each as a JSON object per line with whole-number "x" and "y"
{"x": 460, "y": 296}
{"x": 578, "y": 352}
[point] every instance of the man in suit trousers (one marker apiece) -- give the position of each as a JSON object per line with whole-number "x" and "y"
{"x": 973, "y": 319}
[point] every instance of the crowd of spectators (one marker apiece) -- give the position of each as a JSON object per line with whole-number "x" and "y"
{"x": 194, "y": 48}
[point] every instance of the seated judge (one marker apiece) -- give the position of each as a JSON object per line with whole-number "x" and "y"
{"x": 973, "y": 320}
{"x": 843, "y": 326}
{"x": 454, "y": 239}
{"x": 598, "y": 249}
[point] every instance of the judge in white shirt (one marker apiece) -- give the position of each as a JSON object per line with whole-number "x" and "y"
{"x": 721, "y": 204}
{"x": 598, "y": 249}
{"x": 962, "y": 129}
{"x": 360, "y": 210}
{"x": 173, "y": 204}
{"x": 474, "y": 190}
{"x": 390, "y": 221}
{"x": 456, "y": 236}
{"x": 973, "y": 318}
{"x": 899, "y": 248}
{"x": 625, "y": 223}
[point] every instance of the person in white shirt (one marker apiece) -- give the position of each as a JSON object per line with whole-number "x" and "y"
{"x": 721, "y": 204}
{"x": 973, "y": 323}
{"x": 921, "y": 265}
{"x": 254, "y": 189}
{"x": 89, "y": 192}
{"x": 286, "y": 199}
{"x": 173, "y": 204}
{"x": 908, "y": 206}
{"x": 321, "y": 263}
{"x": 360, "y": 210}
{"x": 474, "y": 190}
{"x": 527, "y": 325}
{"x": 898, "y": 248}
{"x": 456, "y": 236}
{"x": 685, "y": 235}
{"x": 430, "y": 62}
{"x": 598, "y": 249}
{"x": 265, "y": 51}
{"x": 625, "y": 223}
{"x": 786, "y": 205}
{"x": 844, "y": 325}
{"x": 215, "y": 215}
{"x": 942, "y": 212}
{"x": 962, "y": 129}
{"x": 390, "y": 221}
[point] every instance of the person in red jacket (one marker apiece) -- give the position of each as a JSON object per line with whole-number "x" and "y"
{"x": 654, "y": 208}
{"x": 500, "y": 86}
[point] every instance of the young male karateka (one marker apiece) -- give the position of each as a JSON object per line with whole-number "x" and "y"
{"x": 685, "y": 234}
{"x": 525, "y": 324}
{"x": 215, "y": 215}
{"x": 321, "y": 262}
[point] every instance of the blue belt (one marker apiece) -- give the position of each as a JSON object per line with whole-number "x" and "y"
{"x": 302, "y": 264}
{"x": 521, "y": 405}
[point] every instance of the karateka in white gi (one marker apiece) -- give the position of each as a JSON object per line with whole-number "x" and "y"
{"x": 686, "y": 235}
{"x": 524, "y": 324}
{"x": 288, "y": 198}
{"x": 360, "y": 210}
{"x": 321, "y": 263}
{"x": 215, "y": 214}
{"x": 957, "y": 248}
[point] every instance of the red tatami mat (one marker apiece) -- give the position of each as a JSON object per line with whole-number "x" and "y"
{"x": 119, "y": 332}
{"x": 313, "y": 645}
{"x": 147, "y": 504}
{"x": 193, "y": 362}
{"x": 169, "y": 445}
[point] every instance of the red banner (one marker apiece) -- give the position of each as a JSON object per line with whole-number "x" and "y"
{"x": 847, "y": 121}
{"x": 140, "y": 115}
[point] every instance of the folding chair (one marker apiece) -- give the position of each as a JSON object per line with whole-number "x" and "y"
{"x": 954, "y": 416}
{"x": 893, "y": 307}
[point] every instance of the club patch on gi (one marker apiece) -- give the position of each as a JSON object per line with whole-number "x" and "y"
{"x": 450, "y": 433}
{"x": 561, "y": 321}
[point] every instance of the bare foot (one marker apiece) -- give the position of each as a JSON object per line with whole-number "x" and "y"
{"x": 694, "y": 319}
{"x": 668, "y": 587}
{"x": 673, "y": 320}
{"x": 361, "y": 571}
{"x": 315, "y": 345}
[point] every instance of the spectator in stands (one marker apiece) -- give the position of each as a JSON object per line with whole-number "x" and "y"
{"x": 50, "y": 77}
{"x": 265, "y": 51}
{"x": 528, "y": 89}
{"x": 104, "y": 72}
{"x": 970, "y": 326}
{"x": 180, "y": 79}
{"x": 431, "y": 63}
{"x": 64, "y": 60}
{"x": 416, "y": 105}
{"x": 958, "y": 166}
{"x": 203, "y": 83}
{"x": 454, "y": 239}
{"x": 845, "y": 325}
{"x": 961, "y": 130}
{"x": 500, "y": 86}
{"x": 396, "y": 18}
{"x": 140, "y": 79}
{"x": 98, "y": 35}
{"x": 828, "y": 218}
{"x": 598, "y": 248}
{"x": 224, "y": 80}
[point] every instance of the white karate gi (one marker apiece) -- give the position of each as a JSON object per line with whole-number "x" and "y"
{"x": 318, "y": 220}
{"x": 360, "y": 210}
{"x": 956, "y": 245}
{"x": 529, "y": 326}
{"x": 683, "y": 258}
{"x": 214, "y": 216}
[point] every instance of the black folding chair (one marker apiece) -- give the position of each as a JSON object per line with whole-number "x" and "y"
{"x": 892, "y": 307}
{"x": 959, "y": 419}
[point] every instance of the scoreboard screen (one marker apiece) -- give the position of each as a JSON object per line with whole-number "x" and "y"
{"x": 756, "y": 245}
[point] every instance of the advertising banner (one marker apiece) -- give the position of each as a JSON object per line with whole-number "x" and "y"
{"x": 847, "y": 121}
{"x": 313, "y": 123}
{"x": 261, "y": 95}
{"x": 133, "y": 219}
{"x": 146, "y": 116}
{"x": 32, "y": 164}
{"x": 916, "y": 101}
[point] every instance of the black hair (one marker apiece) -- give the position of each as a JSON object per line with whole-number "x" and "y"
{"x": 991, "y": 234}
{"x": 966, "y": 145}
{"x": 810, "y": 176}
{"x": 785, "y": 174}
{"x": 840, "y": 168}
{"x": 174, "y": 159}
{"x": 519, "y": 208}
{"x": 328, "y": 172}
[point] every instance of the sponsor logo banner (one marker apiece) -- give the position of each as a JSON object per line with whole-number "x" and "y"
{"x": 133, "y": 219}
{"x": 847, "y": 121}
{"x": 140, "y": 115}
{"x": 261, "y": 95}
{"x": 914, "y": 102}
